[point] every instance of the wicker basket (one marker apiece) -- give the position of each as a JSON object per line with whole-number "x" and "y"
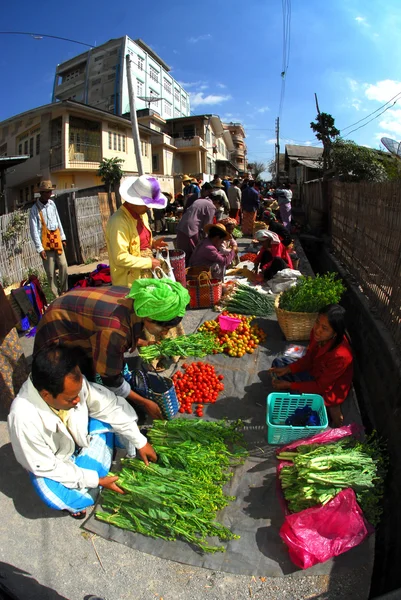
{"x": 296, "y": 326}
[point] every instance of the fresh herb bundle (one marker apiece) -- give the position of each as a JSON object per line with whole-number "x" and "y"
{"x": 195, "y": 344}
{"x": 310, "y": 294}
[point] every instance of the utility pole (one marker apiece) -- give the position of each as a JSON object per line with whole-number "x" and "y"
{"x": 134, "y": 120}
{"x": 277, "y": 151}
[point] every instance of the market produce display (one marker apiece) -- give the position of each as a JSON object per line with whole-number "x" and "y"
{"x": 178, "y": 498}
{"x": 195, "y": 344}
{"x": 237, "y": 233}
{"x": 320, "y": 471}
{"x": 239, "y": 342}
{"x": 310, "y": 294}
{"x": 248, "y": 256}
{"x": 197, "y": 384}
{"x": 247, "y": 300}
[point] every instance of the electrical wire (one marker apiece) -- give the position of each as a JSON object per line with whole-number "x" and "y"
{"x": 374, "y": 112}
{"x": 42, "y": 35}
{"x": 367, "y": 123}
{"x": 286, "y": 12}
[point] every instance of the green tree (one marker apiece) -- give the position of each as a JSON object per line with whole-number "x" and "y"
{"x": 111, "y": 173}
{"x": 357, "y": 163}
{"x": 326, "y": 132}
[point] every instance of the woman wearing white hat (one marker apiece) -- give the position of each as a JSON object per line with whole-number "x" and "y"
{"x": 273, "y": 256}
{"x": 128, "y": 235}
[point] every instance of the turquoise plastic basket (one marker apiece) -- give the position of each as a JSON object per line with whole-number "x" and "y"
{"x": 282, "y": 405}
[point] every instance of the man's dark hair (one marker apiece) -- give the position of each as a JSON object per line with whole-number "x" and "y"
{"x": 251, "y": 183}
{"x": 207, "y": 186}
{"x": 51, "y": 365}
{"x": 235, "y": 181}
{"x": 216, "y": 198}
{"x": 172, "y": 323}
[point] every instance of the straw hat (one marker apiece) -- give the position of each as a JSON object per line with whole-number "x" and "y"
{"x": 185, "y": 178}
{"x": 143, "y": 191}
{"x": 193, "y": 180}
{"x": 46, "y": 186}
{"x": 217, "y": 183}
{"x": 207, "y": 228}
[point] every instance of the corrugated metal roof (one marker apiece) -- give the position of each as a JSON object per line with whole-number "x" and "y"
{"x": 6, "y": 162}
{"x": 310, "y": 152}
{"x": 311, "y": 164}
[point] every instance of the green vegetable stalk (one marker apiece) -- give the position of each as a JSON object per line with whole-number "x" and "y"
{"x": 247, "y": 300}
{"x": 195, "y": 344}
{"x": 310, "y": 294}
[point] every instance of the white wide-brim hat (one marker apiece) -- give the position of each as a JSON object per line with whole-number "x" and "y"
{"x": 143, "y": 191}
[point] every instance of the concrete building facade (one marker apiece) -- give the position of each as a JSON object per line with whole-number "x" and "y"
{"x": 99, "y": 78}
{"x": 66, "y": 141}
{"x": 239, "y": 154}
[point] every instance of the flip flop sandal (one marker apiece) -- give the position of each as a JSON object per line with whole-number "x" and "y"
{"x": 79, "y": 515}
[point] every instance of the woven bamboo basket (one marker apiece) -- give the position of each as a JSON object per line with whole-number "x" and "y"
{"x": 296, "y": 326}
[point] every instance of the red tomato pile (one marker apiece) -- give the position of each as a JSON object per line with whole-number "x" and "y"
{"x": 199, "y": 384}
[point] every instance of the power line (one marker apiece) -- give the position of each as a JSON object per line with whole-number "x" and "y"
{"x": 43, "y": 35}
{"x": 374, "y": 112}
{"x": 286, "y": 11}
{"x": 367, "y": 123}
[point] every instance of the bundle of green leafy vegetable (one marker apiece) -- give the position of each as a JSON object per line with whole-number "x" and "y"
{"x": 247, "y": 300}
{"x": 320, "y": 471}
{"x": 310, "y": 294}
{"x": 179, "y": 496}
{"x": 237, "y": 233}
{"x": 195, "y": 344}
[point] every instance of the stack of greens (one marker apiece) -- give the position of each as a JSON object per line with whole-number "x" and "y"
{"x": 179, "y": 496}
{"x": 320, "y": 471}
{"x": 195, "y": 344}
{"x": 237, "y": 233}
{"x": 247, "y": 300}
{"x": 310, "y": 294}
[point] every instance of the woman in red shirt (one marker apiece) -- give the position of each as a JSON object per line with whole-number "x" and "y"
{"x": 326, "y": 369}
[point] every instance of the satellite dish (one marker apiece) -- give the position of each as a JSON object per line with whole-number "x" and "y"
{"x": 149, "y": 99}
{"x": 392, "y": 146}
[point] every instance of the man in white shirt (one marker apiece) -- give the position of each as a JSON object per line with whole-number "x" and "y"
{"x": 234, "y": 197}
{"x": 62, "y": 431}
{"x": 49, "y": 238}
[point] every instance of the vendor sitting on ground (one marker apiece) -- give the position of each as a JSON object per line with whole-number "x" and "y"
{"x": 326, "y": 369}
{"x": 273, "y": 256}
{"x": 230, "y": 244}
{"x": 62, "y": 431}
{"x": 208, "y": 252}
{"x": 107, "y": 322}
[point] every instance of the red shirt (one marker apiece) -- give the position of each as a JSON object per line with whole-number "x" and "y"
{"x": 144, "y": 233}
{"x": 275, "y": 250}
{"x": 331, "y": 370}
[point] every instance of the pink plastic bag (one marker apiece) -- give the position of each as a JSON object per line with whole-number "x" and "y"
{"x": 326, "y": 437}
{"x": 317, "y": 534}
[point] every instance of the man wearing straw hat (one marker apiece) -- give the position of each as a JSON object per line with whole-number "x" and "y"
{"x": 48, "y": 236}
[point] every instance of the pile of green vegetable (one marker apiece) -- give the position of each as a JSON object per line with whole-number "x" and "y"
{"x": 237, "y": 233}
{"x": 310, "y": 294}
{"x": 195, "y": 344}
{"x": 180, "y": 495}
{"x": 247, "y": 300}
{"x": 320, "y": 471}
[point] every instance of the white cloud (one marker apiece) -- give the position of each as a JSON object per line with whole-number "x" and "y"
{"x": 199, "y": 99}
{"x": 222, "y": 86}
{"x": 356, "y": 103}
{"x": 263, "y": 109}
{"x": 175, "y": 52}
{"x": 383, "y": 90}
{"x": 307, "y": 143}
{"x": 271, "y": 141}
{"x": 203, "y": 87}
{"x": 199, "y": 38}
{"x": 362, "y": 21}
{"x": 392, "y": 122}
{"x": 353, "y": 84}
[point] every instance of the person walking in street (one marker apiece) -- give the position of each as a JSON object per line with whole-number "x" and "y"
{"x": 284, "y": 197}
{"x": 234, "y": 198}
{"x": 250, "y": 204}
{"x": 191, "y": 226}
{"x": 218, "y": 188}
{"x": 49, "y": 238}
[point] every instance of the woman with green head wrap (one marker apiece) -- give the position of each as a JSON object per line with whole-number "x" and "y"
{"x": 105, "y": 323}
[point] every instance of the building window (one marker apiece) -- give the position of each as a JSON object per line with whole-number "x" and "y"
{"x": 119, "y": 142}
{"x": 3, "y": 149}
{"x": 144, "y": 148}
{"x": 167, "y": 85}
{"x": 123, "y": 140}
{"x": 177, "y": 113}
{"x": 167, "y": 108}
{"x": 155, "y": 163}
{"x": 37, "y": 150}
{"x": 183, "y": 102}
{"x": 31, "y": 147}
{"x": 99, "y": 57}
{"x": 189, "y": 131}
{"x": 19, "y": 149}
{"x": 153, "y": 93}
{"x": 140, "y": 63}
{"x": 96, "y": 81}
{"x": 26, "y": 147}
{"x": 139, "y": 88}
{"x": 154, "y": 74}
{"x": 110, "y": 141}
{"x": 114, "y": 141}
{"x": 21, "y": 196}
{"x": 177, "y": 94}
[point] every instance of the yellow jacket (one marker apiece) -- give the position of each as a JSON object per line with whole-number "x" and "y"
{"x": 124, "y": 248}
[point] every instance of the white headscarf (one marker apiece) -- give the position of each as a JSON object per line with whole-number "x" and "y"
{"x": 264, "y": 234}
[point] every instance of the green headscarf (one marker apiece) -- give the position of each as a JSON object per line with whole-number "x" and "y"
{"x": 161, "y": 300}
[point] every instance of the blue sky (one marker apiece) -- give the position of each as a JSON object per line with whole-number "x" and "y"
{"x": 229, "y": 54}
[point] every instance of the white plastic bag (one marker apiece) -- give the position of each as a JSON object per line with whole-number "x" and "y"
{"x": 164, "y": 257}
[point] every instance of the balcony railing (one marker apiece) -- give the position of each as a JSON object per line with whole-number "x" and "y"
{"x": 192, "y": 142}
{"x": 80, "y": 154}
{"x": 157, "y": 140}
{"x": 56, "y": 157}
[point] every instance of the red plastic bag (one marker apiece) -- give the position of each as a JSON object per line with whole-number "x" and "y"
{"x": 326, "y": 437}
{"x": 317, "y": 534}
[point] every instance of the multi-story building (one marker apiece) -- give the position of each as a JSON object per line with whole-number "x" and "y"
{"x": 203, "y": 146}
{"x": 66, "y": 141}
{"x": 99, "y": 78}
{"x": 239, "y": 154}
